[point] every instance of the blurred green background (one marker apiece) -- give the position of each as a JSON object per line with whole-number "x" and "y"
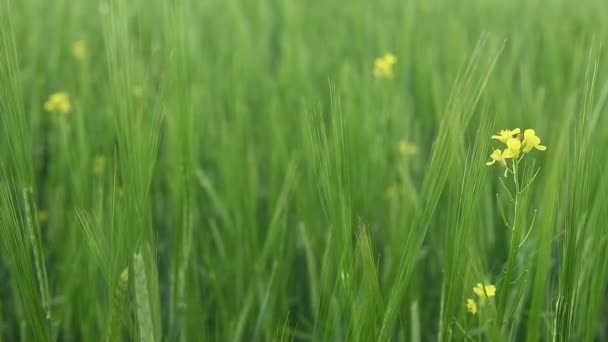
{"x": 234, "y": 171}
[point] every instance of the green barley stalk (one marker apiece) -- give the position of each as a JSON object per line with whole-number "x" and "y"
{"x": 28, "y": 281}
{"x": 142, "y": 300}
{"x": 120, "y": 293}
{"x": 33, "y": 229}
{"x": 466, "y": 94}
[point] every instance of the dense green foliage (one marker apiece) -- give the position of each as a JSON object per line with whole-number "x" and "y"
{"x": 231, "y": 170}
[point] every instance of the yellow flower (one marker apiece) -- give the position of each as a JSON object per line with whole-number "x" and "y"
{"x": 498, "y": 156}
{"x": 383, "y": 66}
{"x": 506, "y": 134}
{"x": 99, "y": 165}
{"x": 484, "y": 291}
{"x": 471, "y": 306}
{"x": 390, "y": 58}
{"x": 79, "y": 50}
{"x": 407, "y": 149}
{"x": 58, "y": 103}
{"x": 531, "y": 140}
{"x": 513, "y": 148}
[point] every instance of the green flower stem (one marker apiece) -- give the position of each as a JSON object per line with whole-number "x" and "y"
{"x": 513, "y": 247}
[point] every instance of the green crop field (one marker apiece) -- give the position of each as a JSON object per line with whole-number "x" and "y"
{"x": 303, "y": 170}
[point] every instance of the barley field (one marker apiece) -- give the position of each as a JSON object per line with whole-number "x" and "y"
{"x": 320, "y": 170}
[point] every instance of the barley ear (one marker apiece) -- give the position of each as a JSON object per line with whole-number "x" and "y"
{"x": 120, "y": 293}
{"x": 142, "y": 300}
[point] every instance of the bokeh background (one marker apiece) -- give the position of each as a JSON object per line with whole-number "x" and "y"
{"x": 234, "y": 170}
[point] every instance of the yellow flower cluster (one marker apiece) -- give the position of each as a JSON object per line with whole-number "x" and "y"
{"x": 484, "y": 292}
{"x": 383, "y": 66}
{"x": 514, "y": 146}
{"x": 58, "y": 103}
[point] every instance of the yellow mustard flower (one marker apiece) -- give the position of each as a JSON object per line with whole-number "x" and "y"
{"x": 471, "y": 306}
{"x": 513, "y": 148}
{"x": 407, "y": 148}
{"x": 99, "y": 165}
{"x": 383, "y": 66}
{"x": 79, "y": 50}
{"x": 484, "y": 291}
{"x": 506, "y": 134}
{"x": 531, "y": 140}
{"x": 58, "y": 103}
{"x": 497, "y": 156}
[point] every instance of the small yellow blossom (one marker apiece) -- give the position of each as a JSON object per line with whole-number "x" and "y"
{"x": 497, "y": 156}
{"x": 99, "y": 165}
{"x": 79, "y": 50}
{"x": 58, "y": 103}
{"x": 506, "y": 134}
{"x": 471, "y": 306}
{"x": 407, "y": 148}
{"x": 513, "y": 148}
{"x": 383, "y": 66}
{"x": 531, "y": 140}
{"x": 484, "y": 291}
{"x": 42, "y": 216}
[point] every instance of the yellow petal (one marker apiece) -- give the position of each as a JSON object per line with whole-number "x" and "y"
{"x": 514, "y": 147}
{"x": 514, "y": 144}
{"x": 471, "y": 306}
{"x": 478, "y": 289}
{"x": 541, "y": 147}
{"x": 529, "y": 133}
{"x": 505, "y": 134}
{"x": 490, "y": 290}
{"x": 390, "y": 58}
